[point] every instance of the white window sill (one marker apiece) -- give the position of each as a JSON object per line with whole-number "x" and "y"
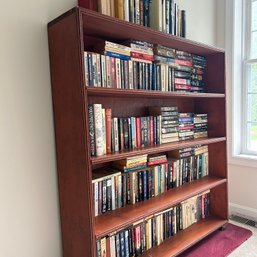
{"x": 243, "y": 160}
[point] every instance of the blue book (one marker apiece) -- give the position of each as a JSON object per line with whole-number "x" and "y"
{"x": 117, "y": 239}
{"x": 144, "y": 185}
{"x": 154, "y": 77}
{"x": 126, "y": 239}
{"x": 116, "y": 55}
{"x": 122, "y": 244}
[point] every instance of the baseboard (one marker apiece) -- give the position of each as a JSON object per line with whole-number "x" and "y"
{"x": 243, "y": 211}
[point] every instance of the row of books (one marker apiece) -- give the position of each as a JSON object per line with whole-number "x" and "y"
{"x": 152, "y": 231}
{"x": 164, "y": 125}
{"x": 140, "y": 65}
{"x": 126, "y": 182}
{"x": 162, "y": 15}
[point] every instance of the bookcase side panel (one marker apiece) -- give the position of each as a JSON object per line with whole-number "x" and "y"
{"x": 70, "y": 115}
{"x": 215, "y": 73}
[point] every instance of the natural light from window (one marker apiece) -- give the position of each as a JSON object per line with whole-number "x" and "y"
{"x": 251, "y": 80}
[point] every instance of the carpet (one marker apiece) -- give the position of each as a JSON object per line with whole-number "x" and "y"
{"x": 219, "y": 243}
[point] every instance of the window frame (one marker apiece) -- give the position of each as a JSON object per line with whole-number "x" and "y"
{"x": 247, "y": 60}
{"x": 234, "y": 44}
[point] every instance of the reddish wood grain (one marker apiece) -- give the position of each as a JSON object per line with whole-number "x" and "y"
{"x": 186, "y": 238}
{"x": 122, "y": 217}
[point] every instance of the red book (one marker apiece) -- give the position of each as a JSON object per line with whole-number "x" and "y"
{"x": 181, "y": 86}
{"x": 89, "y": 4}
{"x": 156, "y": 162}
{"x": 186, "y": 127}
{"x": 138, "y": 135}
{"x": 147, "y": 57}
{"x": 184, "y": 62}
{"x": 108, "y": 121}
{"x": 113, "y": 72}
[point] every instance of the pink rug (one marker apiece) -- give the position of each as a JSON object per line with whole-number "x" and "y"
{"x": 219, "y": 243}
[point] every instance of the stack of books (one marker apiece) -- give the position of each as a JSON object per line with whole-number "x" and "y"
{"x": 183, "y": 71}
{"x": 156, "y": 159}
{"x": 198, "y": 73}
{"x": 152, "y": 231}
{"x": 164, "y": 69}
{"x": 200, "y": 125}
{"x": 186, "y": 126}
{"x": 142, "y": 58}
{"x": 169, "y": 122}
{"x": 131, "y": 163}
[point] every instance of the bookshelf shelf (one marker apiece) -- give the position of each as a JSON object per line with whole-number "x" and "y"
{"x": 70, "y": 35}
{"x": 121, "y": 218}
{"x": 119, "y": 30}
{"x": 155, "y": 149}
{"x": 109, "y": 92}
{"x": 186, "y": 238}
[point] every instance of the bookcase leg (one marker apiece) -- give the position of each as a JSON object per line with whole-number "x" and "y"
{"x": 222, "y": 228}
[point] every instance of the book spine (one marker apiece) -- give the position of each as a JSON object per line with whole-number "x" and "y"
{"x": 103, "y": 71}
{"x": 104, "y": 130}
{"x": 98, "y": 64}
{"x": 91, "y": 129}
{"x": 98, "y": 122}
{"x": 116, "y": 134}
{"x": 108, "y": 120}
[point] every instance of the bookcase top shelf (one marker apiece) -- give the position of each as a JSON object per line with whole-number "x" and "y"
{"x": 114, "y": 29}
{"x": 155, "y": 149}
{"x": 123, "y": 217}
{"x": 113, "y": 92}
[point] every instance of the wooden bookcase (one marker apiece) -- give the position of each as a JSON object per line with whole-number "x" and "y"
{"x": 69, "y": 35}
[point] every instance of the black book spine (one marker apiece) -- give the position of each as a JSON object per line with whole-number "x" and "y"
{"x": 109, "y": 194}
{"x": 122, "y": 244}
{"x": 140, "y": 186}
{"x": 145, "y": 185}
{"x": 126, "y": 133}
{"x": 104, "y": 196}
{"x": 183, "y": 23}
{"x": 129, "y": 134}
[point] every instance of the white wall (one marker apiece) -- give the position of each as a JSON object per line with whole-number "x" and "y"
{"x": 29, "y": 208}
{"x": 200, "y": 20}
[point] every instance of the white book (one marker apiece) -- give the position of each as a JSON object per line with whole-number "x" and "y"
{"x": 113, "y": 193}
{"x": 108, "y": 71}
{"x": 96, "y": 198}
{"x": 126, "y": 10}
{"x": 116, "y": 134}
{"x": 98, "y": 120}
{"x": 98, "y": 68}
{"x": 103, "y": 71}
{"x": 112, "y": 246}
{"x": 104, "y": 130}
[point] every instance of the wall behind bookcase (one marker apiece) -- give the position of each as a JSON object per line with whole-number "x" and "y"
{"x": 29, "y": 216}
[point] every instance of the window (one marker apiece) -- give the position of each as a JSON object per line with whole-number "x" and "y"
{"x": 249, "y": 85}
